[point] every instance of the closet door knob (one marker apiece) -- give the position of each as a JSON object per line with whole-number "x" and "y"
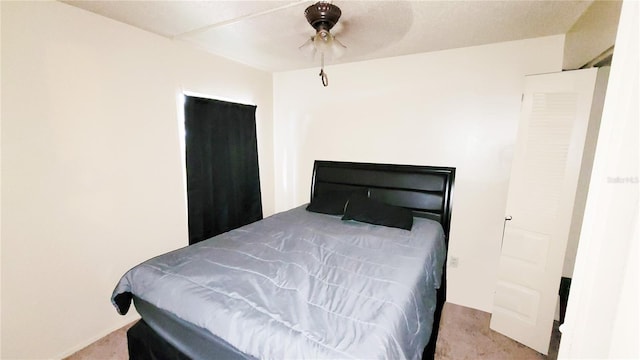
{"x": 508, "y": 218}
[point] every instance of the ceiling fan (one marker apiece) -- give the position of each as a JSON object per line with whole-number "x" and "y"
{"x": 323, "y": 16}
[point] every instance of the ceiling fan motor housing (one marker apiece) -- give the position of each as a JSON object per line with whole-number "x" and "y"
{"x": 322, "y": 15}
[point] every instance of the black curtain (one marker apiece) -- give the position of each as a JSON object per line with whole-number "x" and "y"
{"x": 223, "y": 182}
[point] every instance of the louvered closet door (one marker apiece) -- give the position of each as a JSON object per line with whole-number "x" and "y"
{"x": 546, "y": 166}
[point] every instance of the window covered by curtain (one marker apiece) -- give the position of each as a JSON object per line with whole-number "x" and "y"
{"x": 223, "y": 182}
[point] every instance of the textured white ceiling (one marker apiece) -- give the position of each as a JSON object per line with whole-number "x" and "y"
{"x": 267, "y": 34}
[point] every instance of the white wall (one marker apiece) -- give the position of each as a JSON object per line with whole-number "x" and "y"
{"x": 582, "y": 189}
{"x": 592, "y": 34}
{"x": 602, "y": 314}
{"x": 91, "y": 164}
{"x": 450, "y": 108}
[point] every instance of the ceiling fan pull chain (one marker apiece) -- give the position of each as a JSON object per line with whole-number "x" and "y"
{"x": 323, "y": 75}
{"x": 325, "y": 79}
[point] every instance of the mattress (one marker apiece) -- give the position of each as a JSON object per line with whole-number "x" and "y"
{"x": 297, "y": 285}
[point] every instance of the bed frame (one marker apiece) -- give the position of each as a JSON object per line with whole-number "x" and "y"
{"x": 426, "y": 190}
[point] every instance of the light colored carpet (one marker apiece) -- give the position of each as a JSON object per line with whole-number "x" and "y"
{"x": 110, "y": 347}
{"x": 464, "y": 334}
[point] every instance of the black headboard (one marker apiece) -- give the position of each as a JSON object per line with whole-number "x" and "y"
{"x": 424, "y": 189}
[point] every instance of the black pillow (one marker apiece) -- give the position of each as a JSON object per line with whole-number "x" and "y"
{"x": 364, "y": 209}
{"x": 333, "y": 202}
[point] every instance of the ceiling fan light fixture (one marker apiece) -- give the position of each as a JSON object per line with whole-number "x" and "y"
{"x": 323, "y": 41}
{"x": 323, "y": 16}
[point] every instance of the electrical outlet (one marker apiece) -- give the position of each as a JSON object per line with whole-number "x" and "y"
{"x": 453, "y": 262}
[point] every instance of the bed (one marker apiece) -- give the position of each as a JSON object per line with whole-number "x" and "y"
{"x": 356, "y": 283}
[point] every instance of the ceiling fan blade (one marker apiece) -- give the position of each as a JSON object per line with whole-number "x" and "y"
{"x": 308, "y": 49}
{"x": 337, "y": 48}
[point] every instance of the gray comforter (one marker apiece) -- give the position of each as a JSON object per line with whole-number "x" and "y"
{"x": 302, "y": 285}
